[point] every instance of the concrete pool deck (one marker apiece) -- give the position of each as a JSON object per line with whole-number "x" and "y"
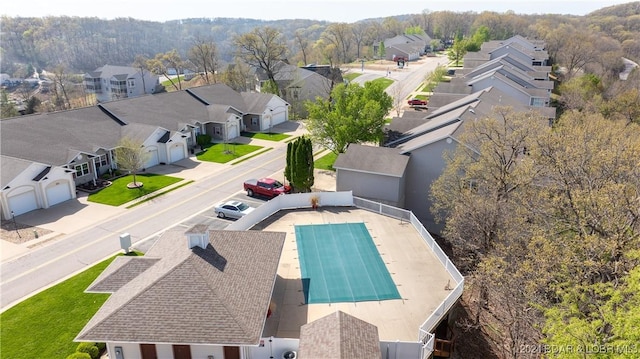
{"x": 419, "y": 276}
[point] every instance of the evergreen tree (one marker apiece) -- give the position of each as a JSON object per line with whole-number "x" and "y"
{"x": 299, "y": 167}
{"x": 289, "y": 161}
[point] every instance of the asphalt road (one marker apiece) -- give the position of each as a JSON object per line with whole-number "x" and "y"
{"x": 186, "y": 206}
{"x": 189, "y": 205}
{"x": 407, "y": 80}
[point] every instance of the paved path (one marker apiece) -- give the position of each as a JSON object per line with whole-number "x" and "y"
{"x": 83, "y": 233}
{"x": 88, "y": 233}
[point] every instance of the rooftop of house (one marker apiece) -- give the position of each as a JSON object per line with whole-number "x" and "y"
{"x": 217, "y": 292}
{"x": 339, "y": 335}
{"x": 385, "y": 160}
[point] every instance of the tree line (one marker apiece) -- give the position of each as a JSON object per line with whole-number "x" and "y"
{"x": 83, "y": 44}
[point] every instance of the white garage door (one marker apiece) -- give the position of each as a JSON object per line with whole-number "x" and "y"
{"x": 23, "y": 203}
{"x": 177, "y": 153}
{"x": 153, "y": 159}
{"x": 58, "y": 193}
{"x": 233, "y": 132}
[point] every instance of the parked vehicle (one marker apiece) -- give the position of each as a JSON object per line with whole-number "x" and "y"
{"x": 417, "y": 102}
{"x": 232, "y": 209}
{"x": 267, "y": 187}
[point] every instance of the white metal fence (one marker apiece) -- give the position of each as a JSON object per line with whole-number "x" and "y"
{"x": 275, "y": 348}
{"x": 424, "y": 332}
{"x": 303, "y": 200}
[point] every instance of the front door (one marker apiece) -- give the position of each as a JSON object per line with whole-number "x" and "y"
{"x": 231, "y": 352}
{"x": 148, "y": 351}
{"x": 181, "y": 352}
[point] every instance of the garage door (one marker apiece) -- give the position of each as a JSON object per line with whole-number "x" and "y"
{"x": 233, "y": 132}
{"x": 58, "y": 193}
{"x": 153, "y": 159}
{"x": 177, "y": 153}
{"x": 23, "y": 203}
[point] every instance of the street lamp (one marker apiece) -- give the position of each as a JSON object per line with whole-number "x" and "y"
{"x": 15, "y": 225}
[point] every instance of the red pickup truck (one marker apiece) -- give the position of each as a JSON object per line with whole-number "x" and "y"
{"x": 267, "y": 187}
{"x": 417, "y": 102}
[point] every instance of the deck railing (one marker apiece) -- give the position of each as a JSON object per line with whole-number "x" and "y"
{"x": 303, "y": 200}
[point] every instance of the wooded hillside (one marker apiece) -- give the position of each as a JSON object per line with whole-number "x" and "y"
{"x": 83, "y": 44}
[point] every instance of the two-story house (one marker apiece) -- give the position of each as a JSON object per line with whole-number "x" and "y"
{"x": 510, "y": 80}
{"x": 110, "y": 83}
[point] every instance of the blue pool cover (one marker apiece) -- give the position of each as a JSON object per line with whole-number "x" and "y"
{"x": 340, "y": 263}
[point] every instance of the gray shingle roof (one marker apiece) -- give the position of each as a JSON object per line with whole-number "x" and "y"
{"x": 219, "y": 94}
{"x": 171, "y": 111}
{"x": 379, "y": 160}
{"x": 256, "y": 102}
{"x": 60, "y": 133}
{"x": 339, "y": 336}
{"x": 10, "y": 167}
{"x": 108, "y": 71}
{"x": 217, "y": 295}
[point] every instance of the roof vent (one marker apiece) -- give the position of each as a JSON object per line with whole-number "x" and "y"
{"x": 198, "y": 236}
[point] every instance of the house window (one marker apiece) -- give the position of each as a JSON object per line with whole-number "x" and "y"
{"x": 82, "y": 169}
{"x": 132, "y": 83}
{"x": 537, "y": 102}
{"x": 103, "y": 160}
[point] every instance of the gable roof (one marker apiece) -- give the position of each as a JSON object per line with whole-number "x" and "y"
{"x": 109, "y": 71}
{"x": 256, "y": 102}
{"x": 378, "y": 160}
{"x": 60, "y": 133}
{"x": 218, "y": 94}
{"x": 339, "y": 336}
{"x": 448, "y": 120}
{"x": 10, "y": 168}
{"x": 218, "y": 295}
{"x": 170, "y": 110}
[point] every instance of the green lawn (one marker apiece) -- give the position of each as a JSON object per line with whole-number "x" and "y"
{"x": 225, "y": 152}
{"x": 326, "y": 162}
{"x": 266, "y": 136}
{"x": 118, "y": 193}
{"x": 385, "y": 81}
{"x": 168, "y": 84}
{"x": 349, "y": 77}
{"x": 44, "y": 325}
{"x": 421, "y": 97}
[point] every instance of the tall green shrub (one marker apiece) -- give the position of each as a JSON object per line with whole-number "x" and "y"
{"x": 299, "y": 167}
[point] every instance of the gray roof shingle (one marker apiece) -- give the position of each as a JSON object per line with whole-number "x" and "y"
{"x": 217, "y": 295}
{"x": 378, "y": 160}
{"x": 339, "y": 336}
{"x": 60, "y": 133}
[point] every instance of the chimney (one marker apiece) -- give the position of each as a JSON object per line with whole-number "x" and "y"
{"x": 198, "y": 236}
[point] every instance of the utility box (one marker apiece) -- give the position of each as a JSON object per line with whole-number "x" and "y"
{"x": 125, "y": 242}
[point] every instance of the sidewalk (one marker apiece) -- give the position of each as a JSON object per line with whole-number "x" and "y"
{"x": 74, "y": 215}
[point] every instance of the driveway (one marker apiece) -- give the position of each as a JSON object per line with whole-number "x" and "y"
{"x": 80, "y": 233}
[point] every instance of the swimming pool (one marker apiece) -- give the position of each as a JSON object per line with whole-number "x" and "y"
{"x": 340, "y": 263}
